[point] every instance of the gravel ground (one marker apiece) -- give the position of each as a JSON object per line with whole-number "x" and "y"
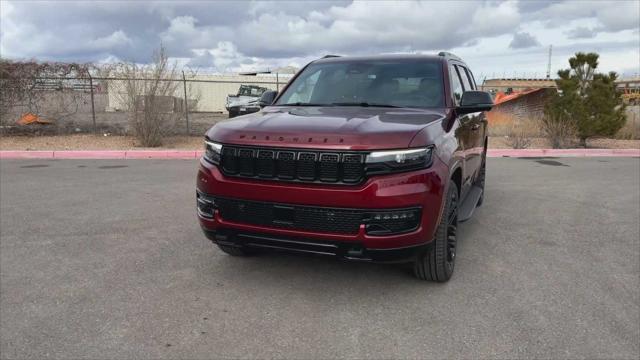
{"x": 90, "y": 142}
{"x": 105, "y": 259}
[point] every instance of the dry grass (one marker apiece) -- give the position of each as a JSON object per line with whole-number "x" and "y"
{"x": 518, "y": 134}
{"x": 561, "y": 133}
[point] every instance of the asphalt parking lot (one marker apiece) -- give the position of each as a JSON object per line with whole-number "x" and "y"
{"x": 105, "y": 259}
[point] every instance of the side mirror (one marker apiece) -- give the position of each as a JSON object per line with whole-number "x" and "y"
{"x": 267, "y": 98}
{"x": 474, "y": 101}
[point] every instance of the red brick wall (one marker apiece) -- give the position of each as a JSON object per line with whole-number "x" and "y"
{"x": 529, "y": 106}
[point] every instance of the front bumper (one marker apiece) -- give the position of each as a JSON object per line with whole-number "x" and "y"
{"x": 243, "y": 110}
{"x": 423, "y": 188}
{"x": 336, "y": 249}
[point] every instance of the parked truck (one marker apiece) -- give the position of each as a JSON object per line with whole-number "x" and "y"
{"x": 245, "y": 101}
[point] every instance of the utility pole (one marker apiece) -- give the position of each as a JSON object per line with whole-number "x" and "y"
{"x": 93, "y": 108}
{"x": 186, "y": 108}
{"x": 549, "y": 63}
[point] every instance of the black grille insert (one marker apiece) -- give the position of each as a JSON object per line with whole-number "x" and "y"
{"x": 329, "y": 167}
{"x": 246, "y": 162}
{"x": 294, "y": 217}
{"x": 293, "y": 165}
{"x": 265, "y": 163}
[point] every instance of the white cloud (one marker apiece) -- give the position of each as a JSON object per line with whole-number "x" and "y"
{"x": 523, "y": 40}
{"x": 116, "y": 39}
{"x": 227, "y": 36}
{"x": 581, "y": 32}
{"x": 612, "y": 15}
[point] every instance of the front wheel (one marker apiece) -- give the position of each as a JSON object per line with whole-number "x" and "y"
{"x": 437, "y": 263}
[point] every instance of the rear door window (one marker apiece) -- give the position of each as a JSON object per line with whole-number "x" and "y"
{"x": 465, "y": 79}
{"x": 472, "y": 80}
{"x": 456, "y": 84}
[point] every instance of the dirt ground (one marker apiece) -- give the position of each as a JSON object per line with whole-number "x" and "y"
{"x": 91, "y": 142}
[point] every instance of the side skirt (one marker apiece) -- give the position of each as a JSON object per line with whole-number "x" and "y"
{"x": 468, "y": 205}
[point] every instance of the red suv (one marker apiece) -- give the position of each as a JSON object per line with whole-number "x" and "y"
{"x": 362, "y": 158}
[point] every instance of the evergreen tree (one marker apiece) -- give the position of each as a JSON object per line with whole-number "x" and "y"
{"x": 586, "y": 99}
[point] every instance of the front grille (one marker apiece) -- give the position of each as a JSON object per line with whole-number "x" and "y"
{"x": 293, "y": 165}
{"x": 294, "y": 217}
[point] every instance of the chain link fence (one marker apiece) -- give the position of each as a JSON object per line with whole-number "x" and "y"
{"x": 94, "y": 104}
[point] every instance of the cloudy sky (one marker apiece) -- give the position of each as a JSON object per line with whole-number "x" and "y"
{"x": 496, "y": 38}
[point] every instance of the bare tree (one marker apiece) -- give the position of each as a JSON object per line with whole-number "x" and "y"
{"x": 147, "y": 93}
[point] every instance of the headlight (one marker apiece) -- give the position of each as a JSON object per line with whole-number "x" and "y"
{"x": 212, "y": 151}
{"x": 206, "y": 205}
{"x": 380, "y": 162}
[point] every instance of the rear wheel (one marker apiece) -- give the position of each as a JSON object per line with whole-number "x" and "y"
{"x": 437, "y": 263}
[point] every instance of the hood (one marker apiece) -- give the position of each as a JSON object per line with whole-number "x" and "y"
{"x": 343, "y": 128}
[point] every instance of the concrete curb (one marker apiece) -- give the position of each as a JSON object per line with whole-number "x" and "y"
{"x": 195, "y": 154}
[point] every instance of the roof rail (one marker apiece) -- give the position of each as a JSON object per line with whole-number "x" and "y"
{"x": 448, "y": 55}
{"x": 330, "y": 56}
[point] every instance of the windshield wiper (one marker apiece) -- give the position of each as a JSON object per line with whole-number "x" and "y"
{"x": 364, "y": 104}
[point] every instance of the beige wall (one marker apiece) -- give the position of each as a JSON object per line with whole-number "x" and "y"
{"x": 210, "y": 91}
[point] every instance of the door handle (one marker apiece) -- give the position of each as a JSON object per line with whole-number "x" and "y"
{"x": 475, "y": 127}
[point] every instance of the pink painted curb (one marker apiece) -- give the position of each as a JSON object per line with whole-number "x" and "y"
{"x": 195, "y": 154}
{"x": 100, "y": 154}
{"x": 88, "y": 154}
{"x": 10, "y": 154}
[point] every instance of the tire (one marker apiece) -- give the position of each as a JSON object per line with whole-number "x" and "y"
{"x": 234, "y": 250}
{"x": 437, "y": 263}
{"x": 232, "y": 113}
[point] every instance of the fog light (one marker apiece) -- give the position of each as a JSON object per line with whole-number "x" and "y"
{"x": 392, "y": 221}
{"x": 205, "y": 205}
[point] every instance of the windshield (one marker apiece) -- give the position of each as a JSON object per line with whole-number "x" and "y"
{"x": 368, "y": 83}
{"x": 250, "y": 90}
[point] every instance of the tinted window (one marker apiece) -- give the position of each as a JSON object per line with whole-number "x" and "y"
{"x": 251, "y": 90}
{"x": 465, "y": 79}
{"x": 456, "y": 85}
{"x": 381, "y": 82}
